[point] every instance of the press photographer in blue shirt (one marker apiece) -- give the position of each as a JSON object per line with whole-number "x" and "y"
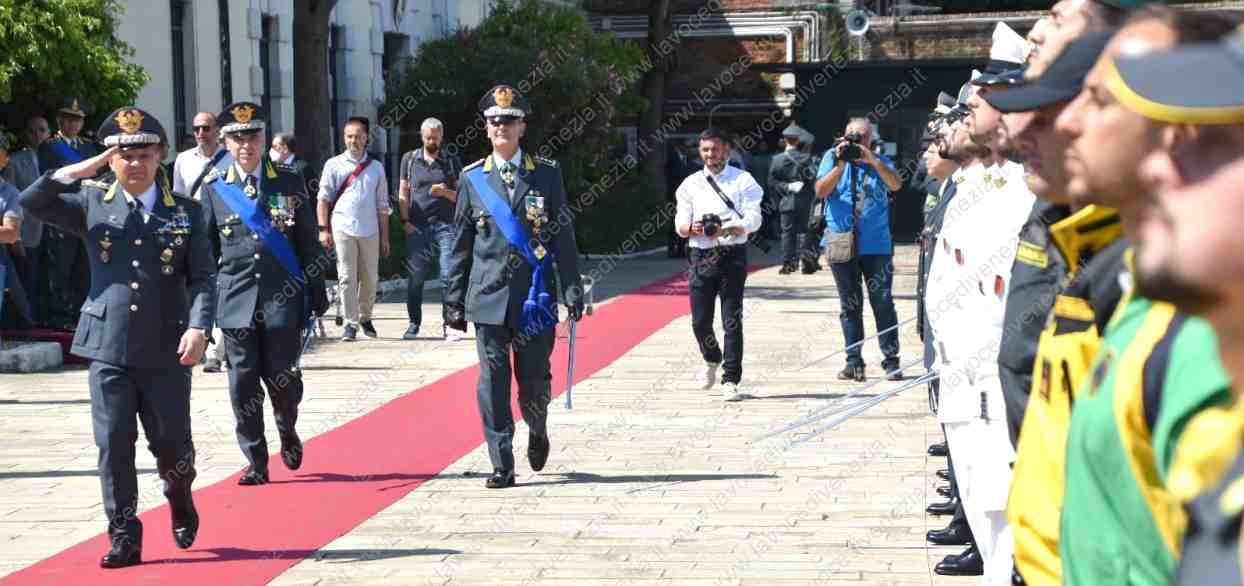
{"x": 858, "y": 184}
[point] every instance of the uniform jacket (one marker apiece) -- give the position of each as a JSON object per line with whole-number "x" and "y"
{"x": 489, "y": 276}
{"x": 136, "y": 310}
{"x": 253, "y": 288}
{"x": 789, "y": 167}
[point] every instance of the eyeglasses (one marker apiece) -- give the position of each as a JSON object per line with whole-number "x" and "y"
{"x": 203, "y": 128}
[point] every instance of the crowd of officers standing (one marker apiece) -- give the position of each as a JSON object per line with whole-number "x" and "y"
{"x": 234, "y": 244}
{"x": 1078, "y": 271}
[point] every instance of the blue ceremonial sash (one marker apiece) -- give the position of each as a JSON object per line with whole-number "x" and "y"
{"x": 69, "y": 154}
{"x": 252, "y": 215}
{"x": 540, "y": 309}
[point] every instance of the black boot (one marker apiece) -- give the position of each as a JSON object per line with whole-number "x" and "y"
{"x": 968, "y": 563}
{"x": 953, "y": 534}
{"x": 855, "y": 373}
{"x": 124, "y": 553}
{"x": 944, "y": 508}
{"x": 938, "y": 449}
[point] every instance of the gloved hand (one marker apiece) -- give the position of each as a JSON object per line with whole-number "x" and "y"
{"x": 455, "y": 317}
{"x": 319, "y": 301}
{"x": 575, "y": 310}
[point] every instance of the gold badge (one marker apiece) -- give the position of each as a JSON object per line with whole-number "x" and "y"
{"x": 227, "y": 231}
{"x": 539, "y": 252}
{"x": 250, "y": 191}
{"x": 105, "y": 245}
{"x": 167, "y": 255}
{"x": 130, "y": 120}
{"x": 75, "y": 106}
{"x": 243, "y": 114}
{"x": 504, "y": 97}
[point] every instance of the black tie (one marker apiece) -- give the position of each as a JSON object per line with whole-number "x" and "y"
{"x": 137, "y": 206}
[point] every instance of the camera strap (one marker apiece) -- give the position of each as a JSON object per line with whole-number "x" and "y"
{"x": 730, "y": 204}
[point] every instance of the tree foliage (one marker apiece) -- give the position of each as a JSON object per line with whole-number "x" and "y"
{"x": 576, "y": 81}
{"x": 51, "y": 49}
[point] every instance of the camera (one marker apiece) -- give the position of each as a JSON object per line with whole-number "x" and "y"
{"x": 852, "y": 151}
{"x": 712, "y": 225}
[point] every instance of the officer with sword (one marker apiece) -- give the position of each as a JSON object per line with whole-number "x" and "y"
{"x": 514, "y": 247}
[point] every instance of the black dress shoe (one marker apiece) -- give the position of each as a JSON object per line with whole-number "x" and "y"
{"x": 953, "y": 534}
{"x": 786, "y": 269}
{"x": 185, "y": 520}
{"x": 855, "y": 373}
{"x": 945, "y": 491}
{"x": 122, "y": 555}
{"x": 500, "y": 479}
{"x": 944, "y": 474}
{"x": 291, "y": 451}
{"x": 253, "y": 478}
{"x": 946, "y": 508}
{"x": 537, "y": 451}
{"x": 968, "y": 563}
{"x": 938, "y": 450}
{"x": 369, "y": 330}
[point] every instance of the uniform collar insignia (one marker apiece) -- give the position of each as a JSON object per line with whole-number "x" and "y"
{"x": 111, "y": 193}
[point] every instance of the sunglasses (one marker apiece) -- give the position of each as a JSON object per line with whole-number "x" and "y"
{"x": 203, "y": 128}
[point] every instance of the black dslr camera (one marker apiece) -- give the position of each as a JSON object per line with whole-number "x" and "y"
{"x": 712, "y": 225}
{"x": 852, "y": 151}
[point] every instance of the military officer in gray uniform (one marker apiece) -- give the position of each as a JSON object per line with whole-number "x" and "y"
{"x": 64, "y": 255}
{"x": 793, "y": 177}
{"x": 142, "y": 325}
{"x": 513, "y": 251}
{"x": 271, "y": 279}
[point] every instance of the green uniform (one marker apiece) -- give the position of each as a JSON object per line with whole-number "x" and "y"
{"x": 1157, "y": 368}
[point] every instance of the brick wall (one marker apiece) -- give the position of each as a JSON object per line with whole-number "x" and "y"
{"x": 941, "y": 36}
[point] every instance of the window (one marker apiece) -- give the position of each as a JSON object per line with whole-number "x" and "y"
{"x": 226, "y": 62}
{"x": 336, "y": 80}
{"x": 183, "y": 66}
{"x": 268, "y": 63}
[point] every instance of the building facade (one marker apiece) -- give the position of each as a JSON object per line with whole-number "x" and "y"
{"x": 204, "y": 54}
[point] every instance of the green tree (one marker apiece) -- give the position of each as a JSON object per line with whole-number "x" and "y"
{"x": 577, "y": 82}
{"x": 50, "y": 49}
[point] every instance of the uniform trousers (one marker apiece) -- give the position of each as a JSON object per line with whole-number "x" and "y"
{"x": 495, "y": 345}
{"x": 358, "y": 272}
{"x": 160, "y": 397}
{"x": 983, "y": 475}
{"x": 268, "y": 355}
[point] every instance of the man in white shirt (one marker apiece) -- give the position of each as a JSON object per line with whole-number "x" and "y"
{"x": 354, "y": 218}
{"x": 189, "y": 170}
{"x": 718, "y": 225}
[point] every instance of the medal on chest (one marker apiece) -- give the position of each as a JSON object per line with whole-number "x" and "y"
{"x": 105, "y": 248}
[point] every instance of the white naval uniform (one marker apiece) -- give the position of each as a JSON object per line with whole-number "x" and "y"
{"x": 968, "y": 282}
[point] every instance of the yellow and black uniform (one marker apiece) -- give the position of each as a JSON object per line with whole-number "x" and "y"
{"x": 1090, "y": 244}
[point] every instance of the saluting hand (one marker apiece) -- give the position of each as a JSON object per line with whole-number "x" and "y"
{"x": 89, "y": 167}
{"x": 193, "y": 344}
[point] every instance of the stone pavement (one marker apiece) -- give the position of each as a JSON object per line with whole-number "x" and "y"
{"x": 651, "y": 479}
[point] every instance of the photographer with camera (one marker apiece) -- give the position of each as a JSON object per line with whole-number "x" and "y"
{"x": 718, "y": 207}
{"x": 858, "y": 183}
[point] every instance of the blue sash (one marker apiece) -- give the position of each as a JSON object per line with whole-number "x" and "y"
{"x": 67, "y": 153}
{"x": 252, "y": 215}
{"x": 540, "y": 309}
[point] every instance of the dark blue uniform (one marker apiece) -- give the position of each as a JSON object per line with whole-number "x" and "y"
{"x": 491, "y": 280}
{"x": 260, "y": 306}
{"x": 149, "y": 283}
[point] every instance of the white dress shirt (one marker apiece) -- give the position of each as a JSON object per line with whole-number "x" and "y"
{"x": 696, "y": 197}
{"x": 189, "y": 164}
{"x": 357, "y": 214}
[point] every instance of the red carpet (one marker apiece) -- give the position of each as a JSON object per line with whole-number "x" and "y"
{"x": 251, "y": 535}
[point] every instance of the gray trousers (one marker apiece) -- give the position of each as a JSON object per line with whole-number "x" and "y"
{"x": 535, "y": 380}
{"x": 160, "y": 397}
{"x": 266, "y": 355}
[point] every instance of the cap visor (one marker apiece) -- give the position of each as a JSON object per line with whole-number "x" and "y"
{"x": 1027, "y": 98}
{"x": 1198, "y": 84}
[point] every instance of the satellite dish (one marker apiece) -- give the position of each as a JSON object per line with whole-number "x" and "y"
{"x": 857, "y": 23}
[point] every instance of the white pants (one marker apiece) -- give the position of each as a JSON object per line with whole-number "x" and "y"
{"x": 982, "y": 470}
{"x": 358, "y": 270}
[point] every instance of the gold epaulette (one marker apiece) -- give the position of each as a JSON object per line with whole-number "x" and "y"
{"x": 475, "y": 164}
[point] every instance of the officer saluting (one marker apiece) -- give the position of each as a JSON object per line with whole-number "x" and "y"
{"x": 513, "y": 232}
{"x": 151, "y": 292}
{"x": 271, "y": 279}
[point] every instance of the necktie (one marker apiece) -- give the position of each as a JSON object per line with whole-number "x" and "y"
{"x": 137, "y": 206}
{"x": 507, "y": 174}
{"x": 250, "y": 189}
